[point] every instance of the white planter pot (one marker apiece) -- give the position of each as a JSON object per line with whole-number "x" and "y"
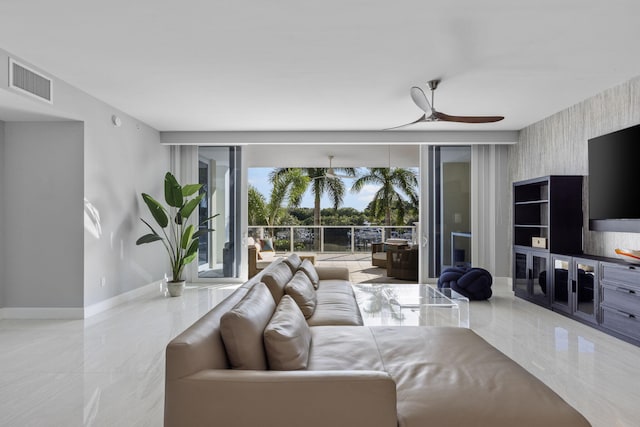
{"x": 175, "y": 288}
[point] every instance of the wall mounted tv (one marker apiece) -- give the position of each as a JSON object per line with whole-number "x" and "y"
{"x": 614, "y": 181}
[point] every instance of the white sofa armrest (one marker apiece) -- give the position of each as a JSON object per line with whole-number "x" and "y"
{"x": 234, "y": 398}
{"x": 333, "y": 273}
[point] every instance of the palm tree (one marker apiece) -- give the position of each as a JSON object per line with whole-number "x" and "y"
{"x": 394, "y": 183}
{"x": 257, "y": 205}
{"x": 320, "y": 185}
{"x": 289, "y": 187}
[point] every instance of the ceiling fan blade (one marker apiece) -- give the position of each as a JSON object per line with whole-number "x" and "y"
{"x": 421, "y": 119}
{"x": 420, "y": 99}
{"x": 331, "y": 176}
{"x": 466, "y": 119}
{"x": 432, "y": 115}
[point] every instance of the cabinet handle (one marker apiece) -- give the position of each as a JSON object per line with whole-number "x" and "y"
{"x": 625, "y": 314}
{"x": 625, "y": 290}
{"x": 619, "y": 312}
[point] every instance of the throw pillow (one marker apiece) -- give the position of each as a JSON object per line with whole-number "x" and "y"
{"x": 267, "y": 244}
{"x": 308, "y": 268}
{"x": 303, "y": 293}
{"x": 242, "y": 328}
{"x": 287, "y": 337}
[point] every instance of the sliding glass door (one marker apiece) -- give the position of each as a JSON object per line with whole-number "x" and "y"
{"x": 219, "y": 253}
{"x": 447, "y": 235}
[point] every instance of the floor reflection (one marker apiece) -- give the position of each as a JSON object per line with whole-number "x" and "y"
{"x": 109, "y": 369}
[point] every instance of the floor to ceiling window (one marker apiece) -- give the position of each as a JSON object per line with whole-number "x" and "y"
{"x": 219, "y": 253}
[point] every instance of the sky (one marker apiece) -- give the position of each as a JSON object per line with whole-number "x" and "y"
{"x": 259, "y": 178}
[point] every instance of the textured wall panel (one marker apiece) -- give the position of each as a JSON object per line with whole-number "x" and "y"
{"x": 557, "y": 145}
{"x": 3, "y": 181}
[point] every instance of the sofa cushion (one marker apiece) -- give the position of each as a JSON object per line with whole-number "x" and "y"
{"x": 303, "y": 293}
{"x": 265, "y": 259}
{"x": 335, "y": 286}
{"x": 335, "y": 308}
{"x": 333, "y": 273}
{"x": 293, "y": 261}
{"x": 242, "y": 328}
{"x": 335, "y": 348}
{"x": 268, "y": 256}
{"x": 454, "y": 376}
{"x": 276, "y": 278}
{"x": 307, "y": 267}
{"x": 287, "y": 337}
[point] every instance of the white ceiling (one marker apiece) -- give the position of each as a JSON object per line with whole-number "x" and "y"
{"x": 248, "y": 65}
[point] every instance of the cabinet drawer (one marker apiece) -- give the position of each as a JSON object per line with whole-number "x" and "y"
{"x": 621, "y": 322}
{"x": 618, "y": 273}
{"x": 625, "y": 298}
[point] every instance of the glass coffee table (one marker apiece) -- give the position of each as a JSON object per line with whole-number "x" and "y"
{"x": 411, "y": 304}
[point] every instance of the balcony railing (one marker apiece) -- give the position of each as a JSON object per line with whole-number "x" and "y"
{"x": 328, "y": 238}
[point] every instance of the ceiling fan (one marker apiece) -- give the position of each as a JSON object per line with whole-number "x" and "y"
{"x": 432, "y": 115}
{"x": 330, "y": 173}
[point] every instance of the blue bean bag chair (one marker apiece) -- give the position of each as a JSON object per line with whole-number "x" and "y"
{"x": 473, "y": 283}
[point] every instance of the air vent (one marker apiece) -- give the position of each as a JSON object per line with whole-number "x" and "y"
{"x": 29, "y": 81}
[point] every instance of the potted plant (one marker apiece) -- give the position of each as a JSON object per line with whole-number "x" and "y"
{"x": 179, "y": 239}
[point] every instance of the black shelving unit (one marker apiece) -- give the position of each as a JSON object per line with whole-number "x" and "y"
{"x": 547, "y": 218}
{"x": 549, "y": 207}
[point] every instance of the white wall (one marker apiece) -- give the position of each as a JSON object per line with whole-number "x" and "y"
{"x": 120, "y": 163}
{"x": 42, "y": 195}
{"x": 117, "y": 163}
{"x": 2, "y": 203}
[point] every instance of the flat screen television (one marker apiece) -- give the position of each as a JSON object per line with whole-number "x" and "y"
{"x": 614, "y": 181}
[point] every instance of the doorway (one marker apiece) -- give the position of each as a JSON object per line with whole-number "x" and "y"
{"x": 219, "y": 253}
{"x": 449, "y": 207}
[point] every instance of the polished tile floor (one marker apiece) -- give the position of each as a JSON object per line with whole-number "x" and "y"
{"x": 597, "y": 374}
{"x": 109, "y": 370}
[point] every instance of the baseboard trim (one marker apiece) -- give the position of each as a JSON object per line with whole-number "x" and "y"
{"x": 68, "y": 313}
{"x": 62, "y": 313}
{"x": 502, "y": 281}
{"x": 99, "y": 307}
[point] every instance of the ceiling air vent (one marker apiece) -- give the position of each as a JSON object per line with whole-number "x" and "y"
{"x": 29, "y": 81}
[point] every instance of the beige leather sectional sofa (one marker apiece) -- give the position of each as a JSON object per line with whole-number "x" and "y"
{"x": 309, "y": 361}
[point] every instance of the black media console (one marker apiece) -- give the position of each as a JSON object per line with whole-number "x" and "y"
{"x": 549, "y": 268}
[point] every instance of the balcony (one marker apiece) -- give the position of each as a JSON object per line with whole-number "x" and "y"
{"x": 330, "y": 239}
{"x": 337, "y": 246}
